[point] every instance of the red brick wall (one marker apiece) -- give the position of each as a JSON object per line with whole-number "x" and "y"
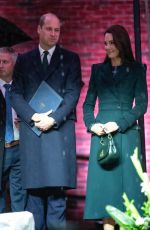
{"x": 84, "y": 24}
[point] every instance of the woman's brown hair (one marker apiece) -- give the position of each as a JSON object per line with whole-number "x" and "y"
{"x": 122, "y": 42}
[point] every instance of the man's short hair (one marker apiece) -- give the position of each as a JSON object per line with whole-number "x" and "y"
{"x": 10, "y": 51}
{"x": 42, "y": 18}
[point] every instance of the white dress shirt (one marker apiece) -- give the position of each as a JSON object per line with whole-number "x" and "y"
{"x": 50, "y": 51}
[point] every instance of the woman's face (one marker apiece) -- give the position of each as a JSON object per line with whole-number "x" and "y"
{"x": 111, "y": 50}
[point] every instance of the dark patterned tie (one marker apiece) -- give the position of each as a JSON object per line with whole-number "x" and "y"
{"x": 9, "y": 135}
{"x": 45, "y": 61}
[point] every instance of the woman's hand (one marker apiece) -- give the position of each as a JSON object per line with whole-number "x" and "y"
{"x": 110, "y": 127}
{"x": 98, "y": 129}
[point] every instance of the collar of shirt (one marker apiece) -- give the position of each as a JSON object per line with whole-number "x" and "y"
{"x": 2, "y": 83}
{"x": 51, "y": 51}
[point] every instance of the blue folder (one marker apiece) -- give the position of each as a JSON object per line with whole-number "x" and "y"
{"x": 44, "y": 99}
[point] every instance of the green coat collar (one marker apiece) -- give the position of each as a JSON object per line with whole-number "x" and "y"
{"x": 107, "y": 76}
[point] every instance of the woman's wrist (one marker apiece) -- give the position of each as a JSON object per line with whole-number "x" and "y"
{"x": 90, "y": 127}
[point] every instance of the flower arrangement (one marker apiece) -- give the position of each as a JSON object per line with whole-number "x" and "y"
{"x": 131, "y": 219}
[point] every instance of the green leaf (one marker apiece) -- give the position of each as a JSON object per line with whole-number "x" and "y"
{"x": 121, "y": 218}
{"x": 130, "y": 208}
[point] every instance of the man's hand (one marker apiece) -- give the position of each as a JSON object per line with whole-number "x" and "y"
{"x": 98, "y": 129}
{"x": 45, "y": 122}
{"x": 37, "y": 116}
{"x": 110, "y": 127}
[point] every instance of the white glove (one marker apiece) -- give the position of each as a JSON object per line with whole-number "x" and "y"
{"x": 98, "y": 129}
{"x": 110, "y": 127}
{"x": 45, "y": 123}
{"x": 38, "y": 116}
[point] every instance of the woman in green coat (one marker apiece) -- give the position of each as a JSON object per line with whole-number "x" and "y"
{"x": 119, "y": 84}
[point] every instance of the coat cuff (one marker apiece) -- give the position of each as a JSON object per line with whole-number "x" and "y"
{"x": 122, "y": 124}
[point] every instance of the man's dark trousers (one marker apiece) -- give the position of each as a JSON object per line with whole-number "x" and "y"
{"x": 11, "y": 173}
{"x": 51, "y": 201}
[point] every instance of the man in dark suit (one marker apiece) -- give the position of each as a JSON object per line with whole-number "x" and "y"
{"x": 49, "y": 160}
{"x": 9, "y": 143}
{"x": 2, "y": 132}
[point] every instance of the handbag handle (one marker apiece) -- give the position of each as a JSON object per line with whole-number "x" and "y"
{"x": 109, "y": 136}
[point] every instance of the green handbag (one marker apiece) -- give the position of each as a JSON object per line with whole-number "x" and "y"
{"x": 107, "y": 152}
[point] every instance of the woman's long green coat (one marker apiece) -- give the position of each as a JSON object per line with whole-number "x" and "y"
{"x": 121, "y": 99}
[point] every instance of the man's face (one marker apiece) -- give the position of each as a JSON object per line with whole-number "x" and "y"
{"x": 49, "y": 33}
{"x": 6, "y": 66}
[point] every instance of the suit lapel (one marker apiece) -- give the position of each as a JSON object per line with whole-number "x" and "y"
{"x": 36, "y": 60}
{"x": 2, "y": 107}
{"x": 121, "y": 74}
{"x": 113, "y": 82}
{"x": 106, "y": 74}
{"x": 54, "y": 63}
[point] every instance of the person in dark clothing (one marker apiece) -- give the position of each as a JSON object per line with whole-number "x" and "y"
{"x": 48, "y": 160}
{"x": 119, "y": 84}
